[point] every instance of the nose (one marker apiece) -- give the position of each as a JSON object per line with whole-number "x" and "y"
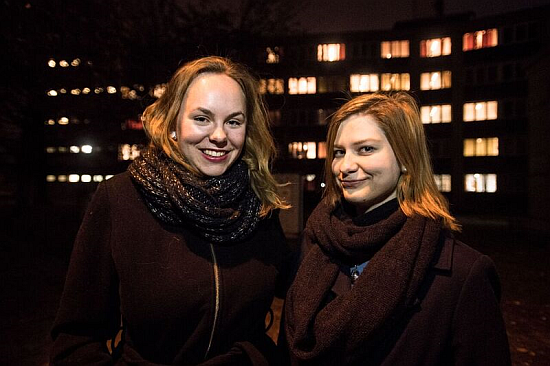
{"x": 347, "y": 164}
{"x": 218, "y": 135}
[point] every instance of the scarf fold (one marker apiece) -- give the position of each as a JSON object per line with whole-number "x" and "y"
{"x": 400, "y": 250}
{"x": 222, "y": 209}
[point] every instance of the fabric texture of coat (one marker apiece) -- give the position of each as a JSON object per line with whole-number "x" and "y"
{"x": 454, "y": 320}
{"x": 182, "y": 300}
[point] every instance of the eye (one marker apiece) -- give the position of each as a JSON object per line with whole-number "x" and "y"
{"x": 366, "y": 149}
{"x": 338, "y": 153}
{"x": 235, "y": 123}
{"x": 200, "y": 119}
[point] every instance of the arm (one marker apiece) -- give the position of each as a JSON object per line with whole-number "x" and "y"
{"x": 88, "y": 314}
{"x": 479, "y": 334}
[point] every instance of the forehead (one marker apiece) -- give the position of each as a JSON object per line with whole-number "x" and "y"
{"x": 359, "y": 127}
{"x": 214, "y": 83}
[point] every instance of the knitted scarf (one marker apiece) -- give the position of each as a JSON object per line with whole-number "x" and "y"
{"x": 222, "y": 209}
{"x": 400, "y": 250}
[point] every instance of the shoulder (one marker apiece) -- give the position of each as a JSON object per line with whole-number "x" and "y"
{"x": 464, "y": 263}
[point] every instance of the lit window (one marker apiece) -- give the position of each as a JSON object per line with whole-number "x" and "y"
{"x": 487, "y": 146}
{"x": 62, "y": 149}
{"x": 97, "y": 178}
{"x": 85, "y": 178}
{"x": 86, "y": 91}
{"x": 98, "y": 90}
{"x": 51, "y": 93}
{"x": 74, "y": 149}
{"x": 51, "y": 149}
{"x": 480, "y": 39}
{"x": 63, "y": 121}
{"x": 436, "y": 113}
{"x": 50, "y": 122}
{"x": 75, "y": 62}
{"x": 63, "y": 63}
{"x": 75, "y": 91}
{"x": 86, "y": 149}
{"x": 435, "y": 47}
{"x": 74, "y": 178}
{"x": 129, "y": 152}
{"x": 62, "y": 178}
{"x": 480, "y": 183}
{"x": 360, "y": 83}
{"x": 303, "y": 150}
{"x": 322, "y": 151}
{"x": 111, "y": 89}
{"x": 273, "y": 55}
{"x": 272, "y": 86}
{"x": 394, "y": 49}
{"x": 108, "y": 176}
{"x": 396, "y": 82}
{"x": 435, "y": 80}
{"x": 50, "y": 178}
{"x": 443, "y": 182}
{"x": 51, "y": 62}
{"x": 331, "y": 52}
{"x": 158, "y": 90}
{"x": 303, "y": 85}
{"x": 480, "y": 111}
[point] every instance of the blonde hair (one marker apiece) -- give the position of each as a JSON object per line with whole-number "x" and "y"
{"x": 160, "y": 118}
{"x": 398, "y": 116}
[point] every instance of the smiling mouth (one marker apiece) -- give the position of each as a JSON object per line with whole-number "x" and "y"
{"x": 214, "y": 153}
{"x": 351, "y": 183}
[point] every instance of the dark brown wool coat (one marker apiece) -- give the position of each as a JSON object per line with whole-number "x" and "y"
{"x": 455, "y": 320}
{"x": 161, "y": 278}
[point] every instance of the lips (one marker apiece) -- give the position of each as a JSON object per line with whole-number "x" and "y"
{"x": 351, "y": 183}
{"x": 214, "y": 153}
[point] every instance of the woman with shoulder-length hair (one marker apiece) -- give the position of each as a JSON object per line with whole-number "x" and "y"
{"x": 185, "y": 249}
{"x": 382, "y": 280}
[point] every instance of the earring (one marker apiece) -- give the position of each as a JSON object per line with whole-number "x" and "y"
{"x": 404, "y": 170}
{"x": 173, "y": 136}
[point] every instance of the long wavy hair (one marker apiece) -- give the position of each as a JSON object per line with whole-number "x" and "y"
{"x": 160, "y": 118}
{"x": 398, "y": 116}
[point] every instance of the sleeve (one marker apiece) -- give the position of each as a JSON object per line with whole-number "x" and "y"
{"x": 479, "y": 333}
{"x": 89, "y": 312}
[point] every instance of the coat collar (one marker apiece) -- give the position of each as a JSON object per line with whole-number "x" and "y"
{"x": 444, "y": 259}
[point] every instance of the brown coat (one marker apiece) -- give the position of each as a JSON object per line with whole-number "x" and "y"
{"x": 161, "y": 279}
{"x": 456, "y": 319}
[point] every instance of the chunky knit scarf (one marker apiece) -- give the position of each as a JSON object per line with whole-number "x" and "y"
{"x": 346, "y": 329}
{"x": 222, "y": 209}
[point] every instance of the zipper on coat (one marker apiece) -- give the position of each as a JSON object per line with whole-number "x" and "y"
{"x": 217, "y": 301}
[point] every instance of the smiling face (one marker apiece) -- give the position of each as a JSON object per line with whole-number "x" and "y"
{"x": 211, "y": 127}
{"x": 364, "y": 164}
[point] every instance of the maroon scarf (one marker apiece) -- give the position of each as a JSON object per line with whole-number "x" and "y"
{"x": 339, "y": 333}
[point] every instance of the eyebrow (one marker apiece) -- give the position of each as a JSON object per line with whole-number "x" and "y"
{"x": 360, "y": 142}
{"x": 209, "y": 113}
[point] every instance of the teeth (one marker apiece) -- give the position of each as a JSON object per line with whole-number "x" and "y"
{"x": 214, "y": 153}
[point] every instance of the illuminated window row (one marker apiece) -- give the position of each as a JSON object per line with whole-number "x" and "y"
{"x": 480, "y": 39}
{"x": 435, "y": 80}
{"x": 480, "y": 183}
{"x": 84, "y": 91}
{"x": 436, "y": 113}
{"x": 480, "y": 111}
{"x": 394, "y": 49}
{"x": 272, "y": 86}
{"x": 472, "y": 182}
{"x": 435, "y": 47}
{"x": 360, "y": 83}
{"x": 74, "y": 149}
{"x": 483, "y": 146}
{"x": 273, "y": 54}
{"x": 63, "y": 121}
{"x": 307, "y": 150}
{"x": 65, "y": 63}
{"x": 77, "y": 178}
{"x": 129, "y": 151}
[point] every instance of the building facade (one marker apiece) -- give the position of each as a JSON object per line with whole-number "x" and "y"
{"x": 471, "y": 77}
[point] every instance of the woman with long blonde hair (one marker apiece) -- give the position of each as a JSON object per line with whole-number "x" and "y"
{"x": 185, "y": 249}
{"x": 383, "y": 281}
